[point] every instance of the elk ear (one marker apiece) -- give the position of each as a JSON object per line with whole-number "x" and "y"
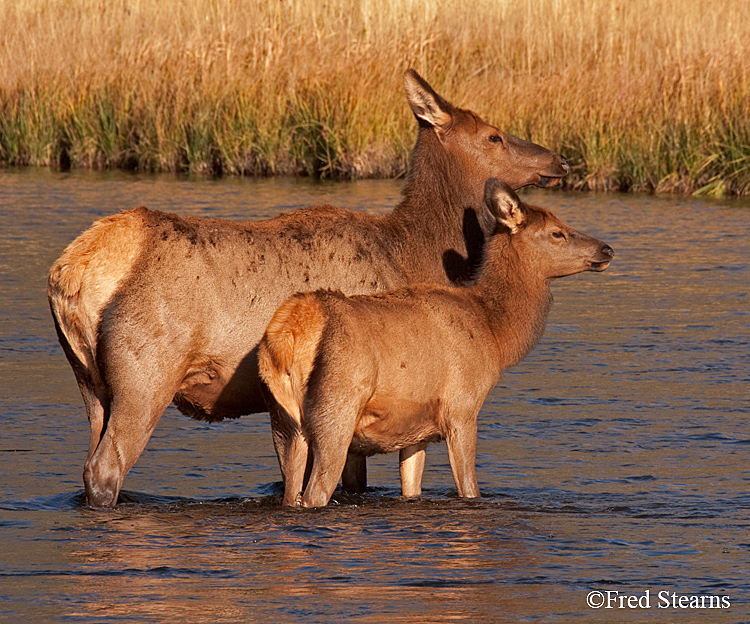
{"x": 426, "y": 105}
{"x": 504, "y": 204}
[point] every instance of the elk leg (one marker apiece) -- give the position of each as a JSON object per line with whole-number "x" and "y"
{"x": 292, "y": 453}
{"x": 96, "y": 410}
{"x": 329, "y": 439}
{"x": 295, "y": 470}
{"x": 411, "y": 466}
{"x": 328, "y": 464}
{"x": 354, "y": 477}
{"x": 127, "y": 432}
{"x": 462, "y": 450}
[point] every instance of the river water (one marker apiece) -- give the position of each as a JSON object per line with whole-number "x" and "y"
{"x": 614, "y": 459}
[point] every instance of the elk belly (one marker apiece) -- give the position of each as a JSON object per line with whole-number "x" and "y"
{"x": 389, "y": 424}
{"x": 200, "y": 390}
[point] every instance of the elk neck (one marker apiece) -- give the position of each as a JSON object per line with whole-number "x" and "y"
{"x": 516, "y": 299}
{"x": 442, "y": 211}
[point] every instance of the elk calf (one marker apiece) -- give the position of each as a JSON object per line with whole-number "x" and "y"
{"x": 380, "y": 373}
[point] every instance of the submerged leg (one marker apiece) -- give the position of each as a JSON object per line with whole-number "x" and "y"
{"x": 411, "y": 466}
{"x": 354, "y": 476}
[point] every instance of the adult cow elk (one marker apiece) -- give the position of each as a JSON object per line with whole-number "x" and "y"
{"x": 383, "y": 372}
{"x": 152, "y": 308}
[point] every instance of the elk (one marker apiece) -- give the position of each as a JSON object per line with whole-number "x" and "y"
{"x": 383, "y": 372}
{"x": 153, "y": 308}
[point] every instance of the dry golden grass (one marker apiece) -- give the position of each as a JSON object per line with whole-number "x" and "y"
{"x": 641, "y": 94}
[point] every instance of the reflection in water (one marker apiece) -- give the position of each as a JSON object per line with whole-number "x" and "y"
{"x": 196, "y": 560}
{"x": 613, "y": 458}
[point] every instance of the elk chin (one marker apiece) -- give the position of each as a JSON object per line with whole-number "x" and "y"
{"x": 598, "y": 266}
{"x": 554, "y": 173}
{"x": 548, "y": 181}
{"x": 606, "y": 253}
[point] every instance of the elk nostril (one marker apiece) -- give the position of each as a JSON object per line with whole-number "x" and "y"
{"x": 564, "y": 163}
{"x": 608, "y": 251}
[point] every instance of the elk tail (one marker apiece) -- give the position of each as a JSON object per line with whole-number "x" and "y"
{"x": 287, "y": 351}
{"x": 84, "y": 278}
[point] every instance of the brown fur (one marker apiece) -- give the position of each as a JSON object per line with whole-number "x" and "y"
{"x": 398, "y": 370}
{"x": 152, "y": 308}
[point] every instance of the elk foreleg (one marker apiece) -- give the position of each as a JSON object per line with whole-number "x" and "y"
{"x": 411, "y": 466}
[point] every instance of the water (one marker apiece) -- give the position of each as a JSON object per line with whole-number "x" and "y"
{"x": 614, "y": 458}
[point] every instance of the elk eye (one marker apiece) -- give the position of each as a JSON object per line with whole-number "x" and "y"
{"x": 558, "y": 234}
{"x": 496, "y": 138}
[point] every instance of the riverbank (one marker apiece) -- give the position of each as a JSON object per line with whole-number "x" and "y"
{"x": 636, "y": 94}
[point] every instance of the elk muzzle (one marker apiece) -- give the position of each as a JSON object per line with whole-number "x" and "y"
{"x": 557, "y": 171}
{"x": 606, "y": 253}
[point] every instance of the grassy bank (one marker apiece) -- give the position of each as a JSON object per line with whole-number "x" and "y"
{"x": 638, "y": 94}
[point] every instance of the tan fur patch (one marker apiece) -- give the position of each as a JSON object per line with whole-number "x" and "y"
{"x": 287, "y": 350}
{"x": 85, "y": 277}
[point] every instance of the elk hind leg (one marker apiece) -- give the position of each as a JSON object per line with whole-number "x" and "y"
{"x": 94, "y": 392}
{"x": 462, "y": 450}
{"x": 330, "y": 437}
{"x": 96, "y": 402}
{"x": 293, "y": 453}
{"x": 128, "y": 429}
{"x": 354, "y": 476}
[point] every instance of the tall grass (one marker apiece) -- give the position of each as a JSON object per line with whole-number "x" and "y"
{"x": 638, "y": 94}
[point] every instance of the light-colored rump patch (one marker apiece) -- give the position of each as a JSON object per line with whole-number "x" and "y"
{"x": 84, "y": 279}
{"x": 287, "y": 351}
